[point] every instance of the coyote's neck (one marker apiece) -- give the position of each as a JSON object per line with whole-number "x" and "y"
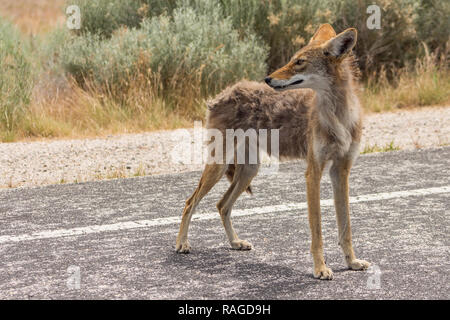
{"x": 338, "y": 112}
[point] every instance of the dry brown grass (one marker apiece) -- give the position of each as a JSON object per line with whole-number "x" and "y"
{"x": 34, "y": 16}
{"x": 78, "y": 113}
{"x": 426, "y": 83}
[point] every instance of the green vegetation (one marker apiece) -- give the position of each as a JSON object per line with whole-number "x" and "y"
{"x": 186, "y": 48}
{"x": 375, "y": 148}
{"x": 150, "y": 64}
{"x": 15, "y": 80}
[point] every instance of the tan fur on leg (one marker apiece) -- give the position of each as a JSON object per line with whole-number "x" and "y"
{"x": 313, "y": 177}
{"x": 230, "y": 175}
{"x": 339, "y": 173}
{"x": 241, "y": 180}
{"x": 211, "y": 175}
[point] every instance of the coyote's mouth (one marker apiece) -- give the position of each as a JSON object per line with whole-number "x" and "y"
{"x": 288, "y": 85}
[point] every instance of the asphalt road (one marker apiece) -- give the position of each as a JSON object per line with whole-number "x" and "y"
{"x": 115, "y": 239}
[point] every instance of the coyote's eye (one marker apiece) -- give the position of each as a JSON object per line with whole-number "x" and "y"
{"x": 300, "y": 62}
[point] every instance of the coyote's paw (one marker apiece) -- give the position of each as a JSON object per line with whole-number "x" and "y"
{"x": 323, "y": 273}
{"x": 184, "y": 247}
{"x": 359, "y": 264}
{"x": 241, "y": 245}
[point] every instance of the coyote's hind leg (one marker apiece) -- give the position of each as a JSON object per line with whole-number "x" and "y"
{"x": 243, "y": 175}
{"x": 211, "y": 175}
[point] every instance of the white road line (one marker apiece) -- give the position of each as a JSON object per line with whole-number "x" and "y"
{"x": 208, "y": 216}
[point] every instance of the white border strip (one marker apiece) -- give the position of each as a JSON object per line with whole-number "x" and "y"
{"x": 80, "y": 231}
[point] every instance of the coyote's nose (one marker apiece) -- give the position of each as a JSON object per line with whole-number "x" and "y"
{"x": 268, "y": 79}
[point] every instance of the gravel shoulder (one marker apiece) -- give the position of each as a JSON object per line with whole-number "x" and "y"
{"x": 25, "y": 164}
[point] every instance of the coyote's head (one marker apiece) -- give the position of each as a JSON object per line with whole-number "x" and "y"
{"x": 317, "y": 64}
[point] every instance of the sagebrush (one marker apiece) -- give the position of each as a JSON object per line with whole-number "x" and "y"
{"x": 188, "y": 49}
{"x": 15, "y": 79}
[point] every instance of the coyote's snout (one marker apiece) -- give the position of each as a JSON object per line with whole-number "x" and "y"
{"x": 321, "y": 122}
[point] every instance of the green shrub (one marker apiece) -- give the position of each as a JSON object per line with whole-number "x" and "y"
{"x": 186, "y": 47}
{"x": 286, "y": 25}
{"x": 46, "y": 49}
{"x": 283, "y": 25}
{"x": 203, "y": 44}
{"x": 157, "y": 7}
{"x": 105, "y": 63}
{"x": 433, "y": 23}
{"x": 15, "y": 77}
{"x": 102, "y": 17}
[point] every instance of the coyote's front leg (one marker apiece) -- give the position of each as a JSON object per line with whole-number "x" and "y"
{"x": 313, "y": 176}
{"x": 339, "y": 173}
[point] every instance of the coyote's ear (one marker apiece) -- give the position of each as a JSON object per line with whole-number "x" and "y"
{"x": 342, "y": 44}
{"x": 324, "y": 33}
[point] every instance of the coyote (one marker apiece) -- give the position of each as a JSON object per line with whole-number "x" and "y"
{"x": 320, "y": 121}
